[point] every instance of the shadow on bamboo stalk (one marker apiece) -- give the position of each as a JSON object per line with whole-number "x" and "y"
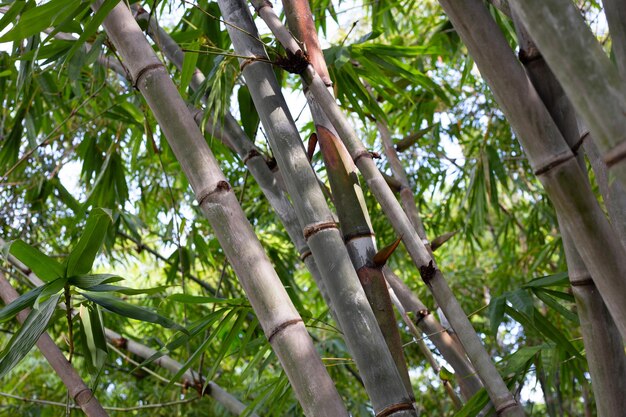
{"x": 279, "y": 319}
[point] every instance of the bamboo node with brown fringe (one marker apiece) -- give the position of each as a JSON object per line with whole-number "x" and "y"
{"x": 387, "y": 411}
{"x": 219, "y": 187}
{"x": 145, "y": 70}
{"x": 311, "y": 229}
{"x": 427, "y": 272}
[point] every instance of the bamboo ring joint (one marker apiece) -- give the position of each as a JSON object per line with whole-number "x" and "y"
{"x": 312, "y": 229}
{"x": 506, "y": 406}
{"x": 282, "y": 327}
{"x": 219, "y": 187}
{"x": 554, "y": 163}
{"x": 387, "y": 411}
{"x": 144, "y": 70}
{"x": 615, "y": 155}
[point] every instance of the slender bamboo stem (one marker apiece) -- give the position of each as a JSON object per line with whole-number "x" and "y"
{"x": 448, "y": 346}
{"x": 279, "y": 319}
{"x": 604, "y": 350}
{"x": 502, "y": 399}
{"x": 549, "y": 155}
{"x": 78, "y": 390}
{"x": 230, "y": 402}
{"x": 348, "y": 196}
{"x": 363, "y": 337}
{"x": 589, "y": 78}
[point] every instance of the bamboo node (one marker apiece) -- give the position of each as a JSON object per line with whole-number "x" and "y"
{"x": 581, "y": 282}
{"x": 144, "y": 70}
{"x": 251, "y": 154}
{"x": 427, "y": 272}
{"x": 266, "y": 3}
{"x": 553, "y": 164}
{"x": 361, "y": 154}
{"x": 615, "y": 155}
{"x": 120, "y": 343}
{"x": 312, "y": 229}
{"x": 305, "y": 254}
{"x": 421, "y": 315}
{"x": 509, "y": 404}
{"x": 295, "y": 63}
{"x": 219, "y": 187}
{"x": 79, "y": 397}
{"x": 249, "y": 61}
{"x": 282, "y": 327}
{"x": 389, "y": 410}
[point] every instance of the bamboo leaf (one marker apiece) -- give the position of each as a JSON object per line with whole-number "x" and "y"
{"x": 42, "y": 265}
{"x": 28, "y": 299}
{"x": 560, "y": 279}
{"x": 115, "y": 305}
{"x": 189, "y": 67}
{"x": 497, "y": 307}
{"x": 555, "y": 305}
{"x": 86, "y": 282}
{"x": 82, "y": 256}
{"x": 93, "y": 331}
{"x": 38, "y": 18}
{"x": 23, "y": 341}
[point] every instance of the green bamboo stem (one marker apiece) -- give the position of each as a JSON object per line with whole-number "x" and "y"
{"x": 279, "y": 319}
{"x": 348, "y": 196}
{"x": 605, "y": 353}
{"x": 502, "y": 399}
{"x": 589, "y": 78}
{"x": 77, "y": 389}
{"x": 363, "y": 337}
{"x": 549, "y": 155}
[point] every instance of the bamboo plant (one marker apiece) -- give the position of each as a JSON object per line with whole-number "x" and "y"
{"x": 548, "y": 153}
{"x": 605, "y": 353}
{"x": 589, "y": 78}
{"x": 503, "y": 400}
{"x": 279, "y": 319}
{"x": 78, "y": 391}
{"x": 356, "y": 319}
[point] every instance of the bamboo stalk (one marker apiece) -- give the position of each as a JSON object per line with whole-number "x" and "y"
{"x": 548, "y": 153}
{"x": 604, "y": 350}
{"x": 448, "y": 346}
{"x": 502, "y": 399}
{"x": 615, "y": 11}
{"x": 348, "y": 196}
{"x": 279, "y": 319}
{"x": 589, "y": 78}
{"x": 363, "y": 337}
{"x": 78, "y": 390}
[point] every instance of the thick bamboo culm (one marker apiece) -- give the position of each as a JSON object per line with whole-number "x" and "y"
{"x": 279, "y": 319}
{"x": 78, "y": 391}
{"x": 356, "y": 319}
{"x": 586, "y": 73}
{"x": 548, "y": 153}
{"x": 503, "y": 400}
{"x": 603, "y": 344}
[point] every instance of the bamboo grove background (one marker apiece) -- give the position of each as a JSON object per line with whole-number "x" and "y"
{"x": 313, "y": 208}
